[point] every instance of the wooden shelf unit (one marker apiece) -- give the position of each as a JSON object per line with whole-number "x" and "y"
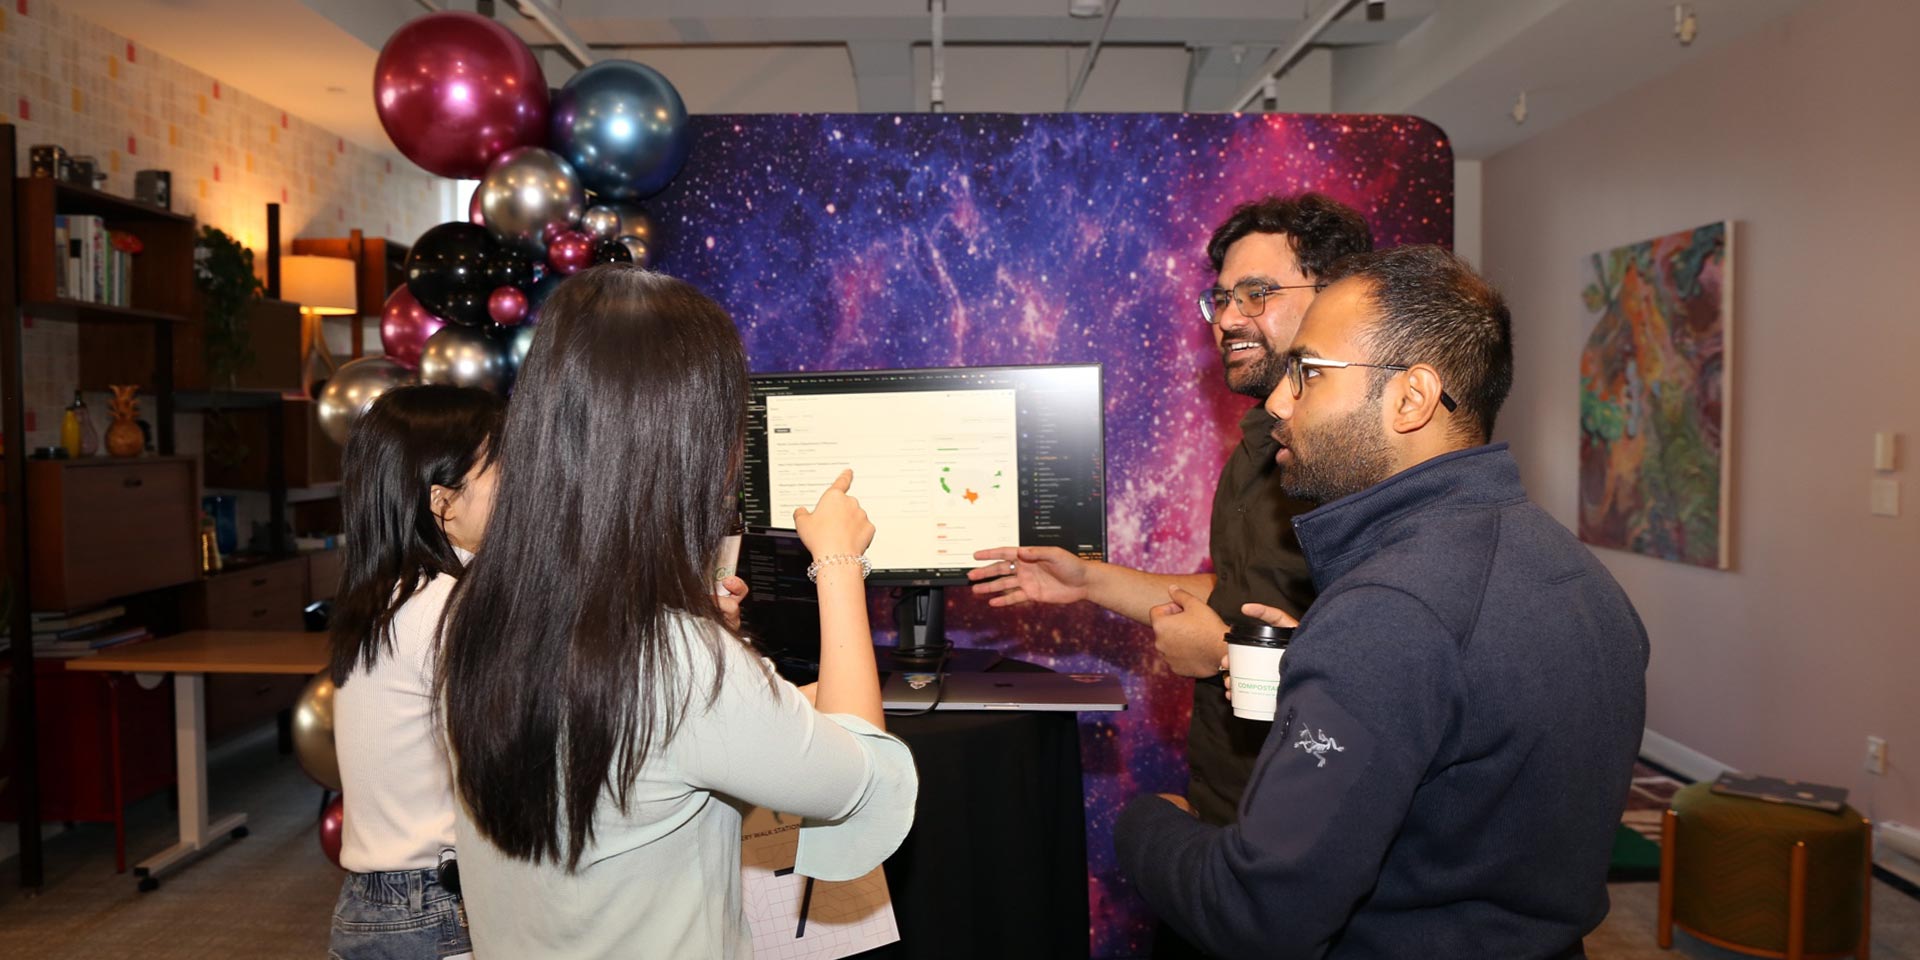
{"x": 162, "y": 292}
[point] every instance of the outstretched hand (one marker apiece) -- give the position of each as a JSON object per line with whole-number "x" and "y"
{"x": 1020, "y": 574}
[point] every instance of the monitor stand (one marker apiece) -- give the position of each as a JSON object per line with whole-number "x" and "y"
{"x": 920, "y": 620}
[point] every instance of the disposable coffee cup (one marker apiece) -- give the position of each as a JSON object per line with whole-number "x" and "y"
{"x": 728, "y": 563}
{"x": 1253, "y": 661}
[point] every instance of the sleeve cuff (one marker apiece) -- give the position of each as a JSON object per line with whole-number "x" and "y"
{"x": 851, "y": 845}
{"x": 1149, "y": 837}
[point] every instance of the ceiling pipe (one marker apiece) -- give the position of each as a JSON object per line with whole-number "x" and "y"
{"x": 1093, "y": 52}
{"x": 1283, "y": 60}
{"x": 431, "y": 7}
{"x": 937, "y": 90}
{"x": 550, "y": 21}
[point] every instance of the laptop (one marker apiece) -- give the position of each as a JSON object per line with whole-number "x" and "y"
{"x": 1066, "y": 692}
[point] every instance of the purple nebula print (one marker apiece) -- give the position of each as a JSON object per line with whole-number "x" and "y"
{"x": 868, "y": 241}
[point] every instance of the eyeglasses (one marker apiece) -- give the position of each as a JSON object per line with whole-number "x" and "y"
{"x": 1296, "y": 373}
{"x": 1250, "y": 296}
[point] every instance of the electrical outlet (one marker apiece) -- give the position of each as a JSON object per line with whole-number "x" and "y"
{"x": 1876, "y": 755}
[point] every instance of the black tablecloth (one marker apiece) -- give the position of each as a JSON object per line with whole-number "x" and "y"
{"x": 996, "y": 864}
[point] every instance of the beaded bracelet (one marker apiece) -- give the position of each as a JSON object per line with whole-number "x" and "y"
{"x": 813, "y": 569}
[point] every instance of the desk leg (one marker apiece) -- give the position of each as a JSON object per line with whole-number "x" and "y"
{"x": 190, "y": 766}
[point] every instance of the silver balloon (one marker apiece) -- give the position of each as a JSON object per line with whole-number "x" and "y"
{"x": 352, "y": 389}
{"x": 526, "y": 192}
{"x": 601, "y": 222}
{"x": 465, "y": 357}
{"x": 313, "y": 743}
{"x": 617, "y": 220}
{"x": 642, "y": 254}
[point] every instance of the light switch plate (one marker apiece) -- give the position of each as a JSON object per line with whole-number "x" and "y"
{"x": 1884, "y": 445}
{"x": 1884, "y": 501}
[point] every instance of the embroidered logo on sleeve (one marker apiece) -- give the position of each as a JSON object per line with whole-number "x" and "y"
{"x": 1317, "y": 744}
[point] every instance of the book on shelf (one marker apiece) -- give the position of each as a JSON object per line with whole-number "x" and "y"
{"x": 86, "y": 645}
{"x": 55, "y": 620}
{"x": 94, "y": 269}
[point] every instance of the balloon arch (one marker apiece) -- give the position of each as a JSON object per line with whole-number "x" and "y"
{"x": 561, "y": 175}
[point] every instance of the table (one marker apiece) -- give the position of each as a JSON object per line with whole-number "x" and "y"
{"x": 190, "y": 657}
{"x": 996, "y": 863}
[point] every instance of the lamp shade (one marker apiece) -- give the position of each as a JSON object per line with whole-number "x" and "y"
{"x": 320, "y": 285}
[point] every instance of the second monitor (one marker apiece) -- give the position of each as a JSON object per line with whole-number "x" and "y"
{"x": 945, "y": 461}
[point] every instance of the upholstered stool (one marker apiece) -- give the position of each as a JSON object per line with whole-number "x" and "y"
{"x": 1767, "y": 879}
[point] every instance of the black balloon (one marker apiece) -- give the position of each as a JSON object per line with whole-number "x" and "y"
{"x": 447, "y": 272}
{"x": 508, "y": 269}
{"x": 611, "y": 251}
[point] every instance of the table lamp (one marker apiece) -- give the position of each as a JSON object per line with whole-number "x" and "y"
{"x": 323, "y": 287}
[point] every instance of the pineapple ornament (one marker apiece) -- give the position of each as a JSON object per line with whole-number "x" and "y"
{"x": 124, "y": 437}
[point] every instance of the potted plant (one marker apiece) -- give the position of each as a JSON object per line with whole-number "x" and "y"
{"x": 223, "y": 270}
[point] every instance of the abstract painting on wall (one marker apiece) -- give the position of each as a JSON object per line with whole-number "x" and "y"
{"x": 1655, "y": 398}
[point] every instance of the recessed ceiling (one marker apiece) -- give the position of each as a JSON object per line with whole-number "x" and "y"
{"x": 1459, "y": 63}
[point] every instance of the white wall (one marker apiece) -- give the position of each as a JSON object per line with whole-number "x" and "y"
{"x": 1804, "y": 133}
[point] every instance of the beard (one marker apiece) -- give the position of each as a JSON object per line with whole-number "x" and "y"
{"x": 1258, "y": 376}
{"x": 1337, "y": 460}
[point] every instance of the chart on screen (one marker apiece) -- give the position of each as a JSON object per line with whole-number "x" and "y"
{"x": 934, "y": 469}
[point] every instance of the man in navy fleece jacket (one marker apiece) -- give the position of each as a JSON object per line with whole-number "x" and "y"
{"x": 1460, "y": 709}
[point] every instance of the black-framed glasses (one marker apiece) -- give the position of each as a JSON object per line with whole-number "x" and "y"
{"x": 1297, "y": 373}
{"x": 1249, "y": 295}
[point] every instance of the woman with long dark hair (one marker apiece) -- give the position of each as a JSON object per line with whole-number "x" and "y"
{"x": 599, "y": 710}
{"x": 415, "y": 496}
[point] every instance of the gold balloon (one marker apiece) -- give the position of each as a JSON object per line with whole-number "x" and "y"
{"x": 313, "y": 732}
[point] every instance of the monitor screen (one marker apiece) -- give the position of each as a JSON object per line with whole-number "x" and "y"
{"x": 945, "y": 461}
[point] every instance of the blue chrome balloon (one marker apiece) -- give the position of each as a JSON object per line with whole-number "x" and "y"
{"x": 518, "y": 341}
{"x": 537, "y": 296}
{"x": 623, "y": 127}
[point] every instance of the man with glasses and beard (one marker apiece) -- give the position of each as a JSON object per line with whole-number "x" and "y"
{"x": 1268, "y": 258}
{"x": 1459, "y": 711}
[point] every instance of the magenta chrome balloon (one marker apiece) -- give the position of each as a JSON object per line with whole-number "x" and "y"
{"x": 454, "y": 90}
{"x": 405, "y": 326}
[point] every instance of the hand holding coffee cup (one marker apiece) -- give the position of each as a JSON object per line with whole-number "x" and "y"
{"x": 1253, "y": 665}
{"x": 1254, "y": 651}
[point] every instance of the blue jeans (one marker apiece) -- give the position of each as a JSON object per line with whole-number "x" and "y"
{"x": 403, "y": 915}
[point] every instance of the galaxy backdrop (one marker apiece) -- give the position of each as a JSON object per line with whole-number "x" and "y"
{"x": 870, "y": 241}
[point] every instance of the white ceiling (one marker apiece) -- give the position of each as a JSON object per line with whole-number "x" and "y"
{"x": 1459, "y": 63}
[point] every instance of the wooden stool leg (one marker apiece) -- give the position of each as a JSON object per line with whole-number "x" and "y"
{"x": 1797, "y": 903}
{"x": 1865, "y": 950}
{"x": 1663, "y": 927}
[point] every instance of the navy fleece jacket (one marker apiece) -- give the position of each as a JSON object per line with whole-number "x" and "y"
{"x": 1458, "y": 719}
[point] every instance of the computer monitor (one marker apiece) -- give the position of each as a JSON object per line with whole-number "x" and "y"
{"x": 946, "y": 461}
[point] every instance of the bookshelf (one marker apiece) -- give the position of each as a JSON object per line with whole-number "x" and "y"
{"x": 161, "y": 291}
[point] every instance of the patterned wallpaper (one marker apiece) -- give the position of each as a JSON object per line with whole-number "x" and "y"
{"x": 68, "y": 81}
